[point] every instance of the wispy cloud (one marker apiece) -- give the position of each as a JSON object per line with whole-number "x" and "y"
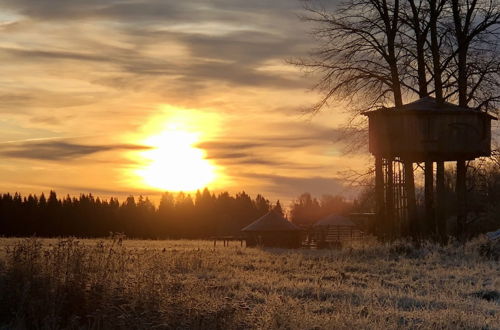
{"x": 57, "y": 150}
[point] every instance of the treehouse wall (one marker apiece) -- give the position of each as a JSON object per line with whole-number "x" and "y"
{"x": 430, "y": 135}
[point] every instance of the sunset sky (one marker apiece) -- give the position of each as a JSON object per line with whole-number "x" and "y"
{"x": 119, "y": 97}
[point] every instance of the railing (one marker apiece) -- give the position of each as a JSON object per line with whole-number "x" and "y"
{"x": 226, "y": 239}
{"x": 332, "y": 236}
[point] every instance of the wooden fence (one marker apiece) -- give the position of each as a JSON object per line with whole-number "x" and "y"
{"x": 332, "y": 236}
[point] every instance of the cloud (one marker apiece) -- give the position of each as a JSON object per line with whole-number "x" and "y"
{"x": 52, "y": 54}
{"x": 111, "y": 9}
{"x": 149, "y": 10}
{"x": 290, "y": 187}
{"x": 270, "y": 148}
{"x": 241, "y": 47}
{"x": 24, "y": 100}
{"x": 230, "y": 59}
{"x": 279, "y": 135}
{"x": 106, "y": 67}
{"x": 238, "y": 37}
{"x": 56, "y": 150}
{"x": 228, "y": 145}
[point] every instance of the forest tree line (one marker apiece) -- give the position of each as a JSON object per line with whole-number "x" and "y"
{"x": 178, "y": 215}
{"x": 205, "y": 214}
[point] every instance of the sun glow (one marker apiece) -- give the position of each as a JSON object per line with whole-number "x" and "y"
{"x": 174, "y": 162}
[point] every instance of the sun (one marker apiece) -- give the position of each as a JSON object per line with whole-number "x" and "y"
{"x": 174, "y": 162}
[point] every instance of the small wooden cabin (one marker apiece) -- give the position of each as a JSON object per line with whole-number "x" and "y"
{"x": 333, "y": 230}
{"x": 426, "y": 131}
{"x": 272, "y": 230}
{"x": 364, "y": 221}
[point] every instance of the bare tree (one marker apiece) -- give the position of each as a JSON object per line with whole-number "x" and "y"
{"x": 361, "y": 57}
{"x": 358, "y": 59}
{"x": 475, "y": 25}
{"x": 373, "y": 53}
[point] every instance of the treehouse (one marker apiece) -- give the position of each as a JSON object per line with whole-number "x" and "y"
{"x": 426, "y": 131}
{"x": 272, "y": 230}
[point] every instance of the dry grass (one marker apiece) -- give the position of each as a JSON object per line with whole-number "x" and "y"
{"x": 90, "y": 284}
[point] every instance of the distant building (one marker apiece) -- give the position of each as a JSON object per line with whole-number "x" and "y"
{"x": 334, "y": 220}
{"x": 272, "y": 230}
{"x": 334, "y": 229}
{"x": 364, "y": 221}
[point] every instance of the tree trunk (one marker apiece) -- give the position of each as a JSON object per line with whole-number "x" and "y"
{"x": 421, "y": 32}
{"x": 462, "y": 35}
{"x": 411, "y": 200}
{"x": 462, "y": 78}
{"x": 436, "y": 61}
{"x": 461, "y": 199}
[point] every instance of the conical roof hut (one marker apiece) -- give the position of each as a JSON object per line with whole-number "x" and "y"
{"x": 272, "y": 230}
{"x": 271, "y": 221}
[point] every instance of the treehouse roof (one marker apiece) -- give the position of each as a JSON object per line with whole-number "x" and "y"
{"x": 271, "y": 221}
{"x": 428, "y": 105}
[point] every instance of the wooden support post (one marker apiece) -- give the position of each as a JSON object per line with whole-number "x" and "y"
{"x": 440, "y": 202}
{"x": 389, "y": 200}
{"x": 398, "y": 200}
{"x": 412, "y": 228}
{"x": 403, "y": 209}
{"x": 379, "y": 193}
{"x": 461, "y": 198}
{"x": 429, "y": 198}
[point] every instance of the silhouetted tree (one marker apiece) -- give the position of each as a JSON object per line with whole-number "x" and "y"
{"x": 372, "y": 52}
{"x": 279, "y": 209}
{"x": 306, "y": 210}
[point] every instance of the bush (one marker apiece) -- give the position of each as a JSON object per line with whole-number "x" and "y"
{"x": 490, "y": 250}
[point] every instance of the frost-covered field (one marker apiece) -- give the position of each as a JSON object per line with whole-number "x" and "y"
{"x": 108, "y": 284}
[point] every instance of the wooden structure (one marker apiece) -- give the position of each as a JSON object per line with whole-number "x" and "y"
{"x": 334, "y": 230}
{"x": 422, "y": 131}
{"x": 226, "y": 239}
{"x": 272, "y": 230}
{"x": 364, "y": 221}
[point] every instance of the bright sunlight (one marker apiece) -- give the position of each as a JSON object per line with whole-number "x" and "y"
{"x": 174, "y": 163}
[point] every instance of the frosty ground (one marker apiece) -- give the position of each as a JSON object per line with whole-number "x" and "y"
{"x": 124, "y": 284}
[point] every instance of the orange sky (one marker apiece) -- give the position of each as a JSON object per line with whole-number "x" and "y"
{"x": 91, "y": 92}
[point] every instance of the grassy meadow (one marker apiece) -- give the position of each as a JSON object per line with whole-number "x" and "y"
{"x": 132, "y": 284}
